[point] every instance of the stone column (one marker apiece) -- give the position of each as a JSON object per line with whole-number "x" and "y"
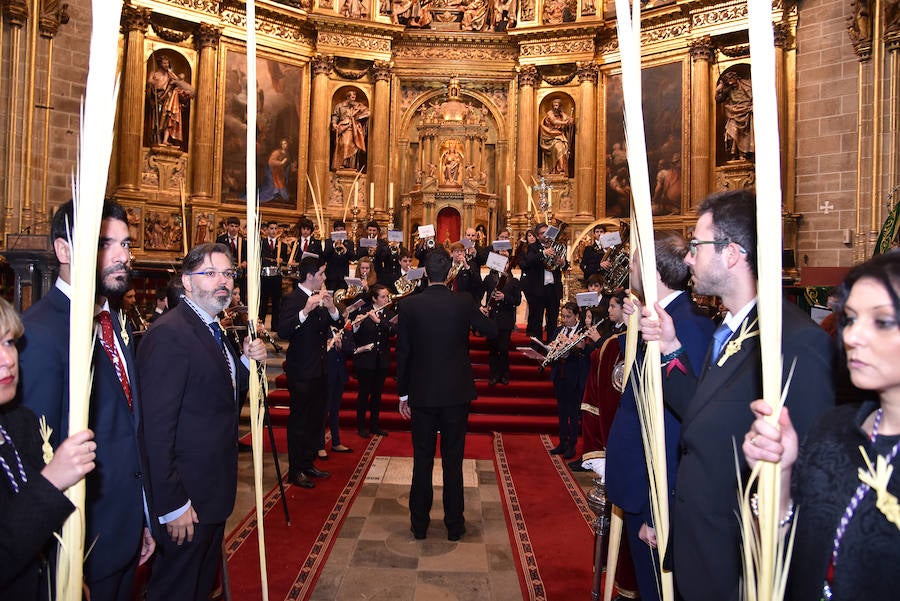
{"x": 702, "y": 53}
{"x": 585, "y": 144}
{"x": 320, "y": 119}
{"x": 134, "y": 83}
{"x": 527, "y": 142}
{"x": 379, "y": 133}
{"x": 206, "y": 40}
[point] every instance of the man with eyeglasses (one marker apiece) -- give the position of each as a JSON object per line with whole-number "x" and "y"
{"x": 193, "y": 378}
{"x": 714, "y": 406}
{"x": 115, "y": 516}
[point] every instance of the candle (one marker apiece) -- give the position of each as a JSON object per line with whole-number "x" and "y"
{"x": 356, "y": 194}
{"x": 508, "y": 203}
{"x": 371, "y": 195}
{"x": 549, "y": 199}
{"x": 391, "y": 196}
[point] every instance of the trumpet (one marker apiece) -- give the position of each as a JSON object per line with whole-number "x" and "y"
{"x": 429, "y": 241}
{"x": 339, "y": 248}
{"x": 395, "y": 250}
{"x": 344, "y": 296}
{"x": 454, "y": 271}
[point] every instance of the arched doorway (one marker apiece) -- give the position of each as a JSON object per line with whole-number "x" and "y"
{"x": 448, "y": 224}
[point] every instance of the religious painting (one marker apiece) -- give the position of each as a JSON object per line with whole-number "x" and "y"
{"x": 204, "y": 222}
{"x": 734, "y": 115}
{"x": 167, "y": 106}
{"x": 163, "y": 230}
{"x": 662, "y": 105}
{"x": 277, "y": 126}
{"x": 349, "y": 130}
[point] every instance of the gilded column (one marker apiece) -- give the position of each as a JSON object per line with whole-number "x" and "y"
{"x": 320, "y": 119}
{"x": 206, "y": 40}
{"x": 525, "y": 152}
{"x": 892, "y": 43}
{"x": 784, "y": 52}
{"x": 379, "y": 132}
{"x": 52, "y": 16}
{"x": 131, "y": 111}
{"x": 15, "y": 12}
{"x": 702, "y": 53}
{"x": 586, "y": 149}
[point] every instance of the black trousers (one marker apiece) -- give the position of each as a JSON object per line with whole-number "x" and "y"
{"x": 115, "y": 587}
{"x": 371, "y": 383}
{"x": 540, "y": 306}
{"x": 304, "y": 429}
{"x": 426, "y": 421}
{"x": 498, "y": 357}
{"x": 568, "y": 405}
{"x": 270, "y": 290}
{"x": 187, "y": 572}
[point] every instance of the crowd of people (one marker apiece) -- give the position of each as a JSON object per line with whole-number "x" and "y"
{"x": 160, "y": 459}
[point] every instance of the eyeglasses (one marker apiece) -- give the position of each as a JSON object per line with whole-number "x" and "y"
{"x": 211, "y": 274}
{"x": 694, "y": 243}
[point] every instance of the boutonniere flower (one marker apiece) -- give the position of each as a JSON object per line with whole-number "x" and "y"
{"x": 734, "y": 345}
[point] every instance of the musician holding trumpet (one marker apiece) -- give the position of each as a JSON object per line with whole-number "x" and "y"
{"x": 542, "y": 282}
{"x": 372, "y": 331}
{"x": 273, "y": 253}
{"x": 339, "y": 253}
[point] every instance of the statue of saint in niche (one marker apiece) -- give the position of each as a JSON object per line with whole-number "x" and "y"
{"x": 556, "y": 131}
{"x": 349, "y": 121}
{"x": 451, "y": 165}
{"x": 735, "y": 94}
{"x": 168, "y": 94}
{"x": 354, "y": 9}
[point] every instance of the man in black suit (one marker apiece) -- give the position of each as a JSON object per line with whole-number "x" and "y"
{"x": 338, "y": 256}
{"x": 309, "y": 315}
{"x": 714, "y": 408}
{"x": 274, "y": 254}
{"x": 436, "y": 386}
{"x": 542, "y": 287}
{"x": 305, "y": 242}
{"x": 592, "y": 256}
{"x": 115, "y": 515}
{"x": 238, "y": 246}
{"x": 504, "y": 294}
{"x": 193, "y": 378}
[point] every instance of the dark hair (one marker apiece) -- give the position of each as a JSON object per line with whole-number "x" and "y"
{"x": 405, "y": 253}
{"x": 65, "y": 217}
{"x": 884, "y": 269}
{"x": 309, "y": 265}
{"x": 619, "y": 296}
{"x": 537, "y": 227}
{"x": 339, "y": 223}
{"x": 174, "y": 291}
{"x": 374, "y": 289}
{"x": 198, "y": 254}
{"x": 374, "y": 224}
{"x": 599, "y": 226}
{"x": 305, "y": 222}
{"x": 594, "y": 278}
{"x": 437, "y": 265}
{"x": 571, "y": 306}
{"x": 734, "y": 219}
{"x": 232, "y": 221}
{"x": 271, "y": 222}
{"x": 160, "y": 293}
{"x": 671, "y": 249}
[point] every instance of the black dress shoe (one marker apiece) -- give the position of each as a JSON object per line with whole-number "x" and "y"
{"x": 576, "y": 466}
{"x": 364, "y": 433}
{"x": 558, "y": 449}
{"x": 504, "y": 380}
{"x": 417, "y": 534}
{"x": 569, "y": 453}
{"x": 244, "y": 448}
{"x": 379, "y": 432}
{"x": 455, "y": 535}
{"x": 303, "y": 481}
{"x": 492, "y": 380}
{"x": 315, "y": 473}
{"x": 341, "y": 449}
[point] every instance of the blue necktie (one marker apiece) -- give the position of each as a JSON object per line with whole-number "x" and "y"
{"x": 217, "y": 333}
{"x": 720, "y": 337}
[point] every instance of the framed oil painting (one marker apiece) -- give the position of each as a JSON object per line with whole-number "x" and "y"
{"x": 278, "y": 129}
{"x": 663, "y": 118}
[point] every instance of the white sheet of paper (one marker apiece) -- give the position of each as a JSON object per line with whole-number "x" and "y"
{"x": 395, "y": 235}
{"x": 415, "y": 274}
{"x": 467, "y": 243}
{"x": 339, "y": 235}
{"x": 610, "y": 239}
{"x": 426, "y": 231}
{"x": 368, "y": 242}
{"x": 587, "y": 299}
{"x": 551, "y": 233}
{"x": 307, "y": 254}
{"x": 353, "y": 281}
{"x": 501, "y": 245}
{"x": 497, "y": 262}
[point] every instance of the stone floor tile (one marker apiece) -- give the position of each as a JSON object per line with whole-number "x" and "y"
{"x": 377, "y": 585}
{"x": 375, "y": 554}
{"x": 466, "y": 557}
{"x": 457, "y": 586}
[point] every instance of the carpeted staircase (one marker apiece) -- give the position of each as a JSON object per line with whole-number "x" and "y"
{"x": 527, "y": 404}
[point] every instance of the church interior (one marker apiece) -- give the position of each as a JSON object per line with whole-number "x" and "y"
{"x": 485, "y": 114}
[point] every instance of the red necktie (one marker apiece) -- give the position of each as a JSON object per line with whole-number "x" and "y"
{"x": 233, "y": 247}
{"x": 305, "y": 244}
{"x": 272, "y": 244}
{"x": 108, "y": 341}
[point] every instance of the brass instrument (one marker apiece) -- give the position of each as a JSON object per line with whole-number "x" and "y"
{"x": 552, "y": 260}
{"x": 561, "y": 351}
{"x": 615, "y": 276}
{"x": 339, "y": 248}
{"x": 344, "y": 296}
{"x": 454, "y": 271}
{"x": 429, "y": 241}
{"x": 404, "y": 287}
{"x": 395, "y": 250}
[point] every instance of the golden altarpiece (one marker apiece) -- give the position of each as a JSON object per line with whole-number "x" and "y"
{"x": 415, "y": 112}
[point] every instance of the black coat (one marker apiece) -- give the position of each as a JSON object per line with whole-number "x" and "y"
{"x": 337, "y": 266}
{"x": 239, "y": 253}
{"x": 590, "y": 260}
{"x": 306, "y": 355}
{"x": 505, "y": 312}
{"x": 433, "y": 365}
{"x": 269, "y": 257}
{"x": 533, "y": 268}
{"x": 378, "y": 334}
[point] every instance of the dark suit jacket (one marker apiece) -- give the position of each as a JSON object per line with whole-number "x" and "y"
{"x": 306, "y": 355}
{"x": 242, "y": 242}
{"x": 378, "y": 334}
{"x": 433, "y": 365}
{"x": 590, "y": 260}
{"x": 714, "y": 412}
{"x": 533, "y": 272}
{"x": 191, "y": 415}
{"x": 315, "y": 247}
{"x": 269, "y": 258}
{"x": 627, "y": 483}
{"x": 505, "y": 312}
{"x": 115, "y": 504}
{"x": 337, "y": 267}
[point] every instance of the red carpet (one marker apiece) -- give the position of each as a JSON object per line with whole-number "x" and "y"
{"x": 548, "y": 517}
